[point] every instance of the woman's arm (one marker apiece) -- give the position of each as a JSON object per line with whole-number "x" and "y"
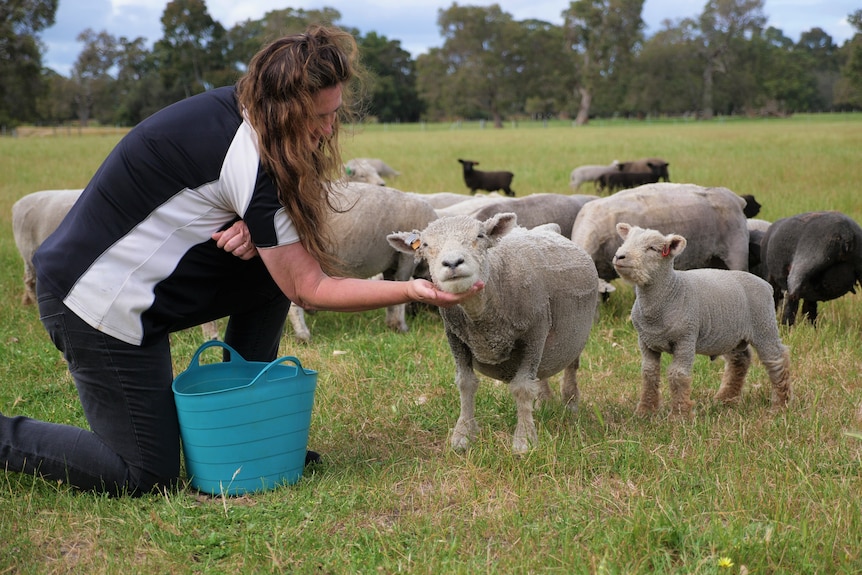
{"x": 302, "y": 280}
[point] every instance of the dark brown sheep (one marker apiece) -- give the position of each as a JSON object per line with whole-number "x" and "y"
{"x": 488, "y": 181}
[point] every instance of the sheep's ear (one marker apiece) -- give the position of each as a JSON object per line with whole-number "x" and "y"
{"x": 407, "y": 242}
{"x": 499, "y": 225}
{"x": 623, "y": 230}
{"x": 673, "y": 245}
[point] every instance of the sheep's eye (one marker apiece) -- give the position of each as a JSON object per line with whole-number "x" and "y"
{"x": 481, "y": 236}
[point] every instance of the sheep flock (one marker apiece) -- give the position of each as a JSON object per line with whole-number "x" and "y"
{"x": 709, "y": 279}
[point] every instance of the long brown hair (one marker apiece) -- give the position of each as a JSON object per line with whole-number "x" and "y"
{"x": 277, "y": 95}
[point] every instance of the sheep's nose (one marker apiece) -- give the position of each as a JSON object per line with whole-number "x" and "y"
{"x": 453, "y": 263}
{"x": 618, "y": 257}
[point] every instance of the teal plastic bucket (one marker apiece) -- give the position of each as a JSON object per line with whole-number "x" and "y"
{"x": 244, "y": 424}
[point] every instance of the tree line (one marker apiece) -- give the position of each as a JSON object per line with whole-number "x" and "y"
{"x": 598, "y": 63}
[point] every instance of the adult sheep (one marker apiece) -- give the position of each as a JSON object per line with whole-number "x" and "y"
{"x": 632, "y": 174}
{"x": 382, "y": 168}
{"x": 366, "y": 215}
{"x": 697, "y": 312}
{"x": 363, "y": 172}
{"x": 711, "y": 217}
{"x": 538, "y": 209}
{"x": 589, "y": 173}
{"x": 531, "y": 320}
{"x": 488, "y": 181}
{"x": 812, "y": 257}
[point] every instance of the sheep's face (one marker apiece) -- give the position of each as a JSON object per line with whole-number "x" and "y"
{"x": 645, "y": 253}
{"x": 455, "y": 248}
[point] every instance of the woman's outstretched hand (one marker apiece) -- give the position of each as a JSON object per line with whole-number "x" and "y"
{"x": 424, "y": 291}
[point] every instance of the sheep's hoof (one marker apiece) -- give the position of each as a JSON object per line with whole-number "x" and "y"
{"x": 460, "y": 442}
{"x": 520, "y": 445}
{"x": 727, "y": 396}
{"x": 645, "y": 410}
{"x": 464, "y": 434}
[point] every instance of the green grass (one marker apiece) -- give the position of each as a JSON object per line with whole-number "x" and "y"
{"x": 605, "y": 491}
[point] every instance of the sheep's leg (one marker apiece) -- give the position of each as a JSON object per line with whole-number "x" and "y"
{"x": 296, "y": 317}
{"x": 210, "y": 330}
{"x": 569, "y": 386}
{"x": 29, "y": 296}
{"x": 736, "y": 364}
{"x": 791, "y": 306}
{"x": 679, "y": 379}
{"x": 809, "y": 310}
{"x": 524, "y": 390}
{"x": 466, "y": 428}
{"x": 779, "y": 374}
{"x": 395, "y": 318}
{"x": 544, "y": 394}
{"x": 650, "y": 380}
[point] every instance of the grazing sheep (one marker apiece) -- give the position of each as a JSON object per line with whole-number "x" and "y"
{"x": 531, "y": 320}
{"x": 362, "y": 172}
{"x": 589, "y": 173}
{"x": 707, "y": 312}
{"x": 538, "y": 209}
{"x": 632, "y": 174}
{"x": 711, "y": 217}
{"x": 34, "y": 218}
{"x": 756, "y": 231}
{"x": 813, "y": 257}
{"x": 489, "y": 181}
{"x": 380, "y": 166}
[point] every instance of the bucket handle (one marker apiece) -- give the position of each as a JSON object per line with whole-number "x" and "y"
{"x": 237, "y": 358}
{"x": 287, "y": 358}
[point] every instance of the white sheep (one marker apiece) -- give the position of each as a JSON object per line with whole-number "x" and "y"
{"x": 362, "y": 172}
{"x": 34, "y": 218}
{"x": 588, "y": 173}
{"x": 705, "y": 311}
{"x": 367, "y": 214}
{"x": 379, "y": 166}
{"x": 531, "y": 320}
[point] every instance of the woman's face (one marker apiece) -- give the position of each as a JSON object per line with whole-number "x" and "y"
{"x": 326, "y": 105}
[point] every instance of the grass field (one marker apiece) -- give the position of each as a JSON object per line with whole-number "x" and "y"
{"x": 735, "y": 490}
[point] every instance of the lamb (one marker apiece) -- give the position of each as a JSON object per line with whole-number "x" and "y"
{"x": 589, "y": 173}
{"x": 34, "y": 218}
{"x": 531, "y": 321}
{"x": 538, "y": 209}
{"x": 711, "y": 217}
{"x": 362, "y": 172}
{"x": 489, "y": 181}
{"x": 707, "y": 311}
{"x": 813, "y": 256}
{"x": 379, "y": 166}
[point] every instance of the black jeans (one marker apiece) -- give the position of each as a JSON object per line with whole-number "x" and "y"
{"x": 125, "y": 391}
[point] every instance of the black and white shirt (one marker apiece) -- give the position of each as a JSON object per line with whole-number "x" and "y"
{"x": 134, "y": 256}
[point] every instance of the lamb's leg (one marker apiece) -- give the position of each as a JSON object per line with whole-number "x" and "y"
{"x": 544, "y": 394}
{"x": 736, "y": 367}
{"x": 779, "y": 374}
{"x": 679, "y": 380}
{"x": 296, "y": 316}
{"x": 569, "y": 386}
{"x": 651, "y": 378}
{"x": 466, "y": 429}
{"x": 524, "y": 390}
{"x": 791, "y": 306}
{"x": 809, "y": 310}
{"x": 395, "y": 318}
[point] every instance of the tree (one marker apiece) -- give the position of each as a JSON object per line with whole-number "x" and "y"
{"x": 91, "y": 78}
{"x": 850, "y": 91}
{"x": 393, "y": 87}
{"x": 191, "y": 57}
{"x": 721, "y": 24}
{"x": 21, "y": 57}
{"x": 667, "y": 72}
{"x": 481, "y": 59}
{"x": 605, "y": 33}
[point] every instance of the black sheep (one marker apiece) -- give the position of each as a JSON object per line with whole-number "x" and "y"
{"x": 488, "y": 181}
{"x": 813, "y": 256}
{"x": 622, "y": 179}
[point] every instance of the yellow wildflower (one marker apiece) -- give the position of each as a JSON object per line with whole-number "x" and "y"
{"x": 725, "y": 563}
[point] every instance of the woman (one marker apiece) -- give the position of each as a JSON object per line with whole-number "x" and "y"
{"x": 154, "y": 246}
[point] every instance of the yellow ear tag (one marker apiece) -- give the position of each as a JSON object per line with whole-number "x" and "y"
{"x": 413, "y": 240}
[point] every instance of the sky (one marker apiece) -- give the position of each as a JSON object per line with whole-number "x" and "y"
{"x": 412, "y": 22}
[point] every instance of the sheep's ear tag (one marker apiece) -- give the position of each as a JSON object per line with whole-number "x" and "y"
{"x": 413, "y": 240}
{"x": 665, "y": 250}
{"x": 348, "y": 170}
